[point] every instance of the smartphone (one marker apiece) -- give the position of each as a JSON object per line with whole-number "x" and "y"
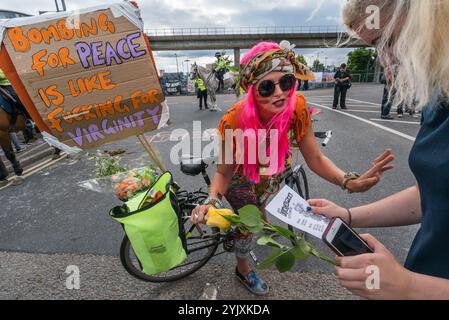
{"x": 343, "y": 240}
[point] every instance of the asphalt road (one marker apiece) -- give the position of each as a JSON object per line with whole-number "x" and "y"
{"x": 51, "y": 214}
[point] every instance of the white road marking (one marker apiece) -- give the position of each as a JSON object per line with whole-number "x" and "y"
{"x": 364, "y": 111}
{"x": 320, "y": 97}
{"x": 350, "y": 105}
{"x": 43, "y": 165}
{"x": 396, "y": 121}
{"x": 374, "y": 104}
{"x": 398, "y": 133}
{"x": 40, "y": 166}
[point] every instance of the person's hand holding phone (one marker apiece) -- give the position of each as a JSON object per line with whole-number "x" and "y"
{"x": 374, "y": 276}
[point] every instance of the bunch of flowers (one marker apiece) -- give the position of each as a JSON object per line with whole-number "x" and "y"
{"x": 112, "y": 177}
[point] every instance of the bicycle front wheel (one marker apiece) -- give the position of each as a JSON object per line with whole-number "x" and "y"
{"x": 202, "y": 243}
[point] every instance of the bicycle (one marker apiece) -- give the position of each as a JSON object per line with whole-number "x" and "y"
{"x": 203, "y": 240}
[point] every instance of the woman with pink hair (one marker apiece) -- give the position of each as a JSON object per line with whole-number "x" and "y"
{"x": 266, "y": 124}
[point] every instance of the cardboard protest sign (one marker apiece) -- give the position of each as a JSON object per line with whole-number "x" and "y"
{"x": 88, "y": 79}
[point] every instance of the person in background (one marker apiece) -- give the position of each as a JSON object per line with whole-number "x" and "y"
{"x": 220, "y": 68}
{"x": 413, "y": 32}
{"x": 389, "y": 95}
{"x": 342, "y": 84}
{"x": 15, "y": 142}
{"x": 201, "y": 92}
{"x": 306, "y": 85}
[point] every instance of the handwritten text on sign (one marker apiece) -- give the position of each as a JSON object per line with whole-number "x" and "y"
{"x": 92, "y": 84}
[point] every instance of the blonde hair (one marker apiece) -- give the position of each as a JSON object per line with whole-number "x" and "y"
{"x": 415, "y": 37}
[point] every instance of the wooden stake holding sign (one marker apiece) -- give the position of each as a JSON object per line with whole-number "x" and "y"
{"x": 152, "y": 153}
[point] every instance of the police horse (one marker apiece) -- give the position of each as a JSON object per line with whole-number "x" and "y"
{"x": 11, "y": 120}
{"x": 211, "y": 82}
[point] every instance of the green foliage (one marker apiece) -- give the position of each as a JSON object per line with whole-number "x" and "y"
{"x": 301, "y": 59}
{"x": 362, "y": 61}
{"x": 268, "y": 240}
{"x": 106, "y": 165}
{"x": 285, "y": 262}
{"x": 283, "y": 256}
{"x": 318, "y": 66}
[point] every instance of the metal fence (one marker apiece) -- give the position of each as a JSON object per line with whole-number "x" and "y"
{"x": 245, "y": 30}
{"x": 365, "y": 78}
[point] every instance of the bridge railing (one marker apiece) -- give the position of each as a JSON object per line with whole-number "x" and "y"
{"x": 245, "y": 30}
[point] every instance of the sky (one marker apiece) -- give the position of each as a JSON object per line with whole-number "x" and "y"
{"x": 160, "y": 14}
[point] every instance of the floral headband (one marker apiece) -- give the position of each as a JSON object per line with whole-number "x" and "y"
{"x": 283, "y": 60}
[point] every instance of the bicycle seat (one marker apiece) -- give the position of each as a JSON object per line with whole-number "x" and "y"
{"x": 193, "y": 166}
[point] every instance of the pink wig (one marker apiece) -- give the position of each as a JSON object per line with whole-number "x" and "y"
{"x": 249, "y": 120}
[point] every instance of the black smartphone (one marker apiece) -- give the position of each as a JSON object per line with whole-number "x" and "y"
{"x": 343, "y": 240}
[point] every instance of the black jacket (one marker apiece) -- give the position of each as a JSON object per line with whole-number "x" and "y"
{"x": 341, "y": 75}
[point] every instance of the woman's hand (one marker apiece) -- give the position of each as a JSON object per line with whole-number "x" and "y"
{"x": 374, "y": 276}
{"x": 199, "y": 214}
{"x": 328, "y": 209}
{"x": 371, "y": 177}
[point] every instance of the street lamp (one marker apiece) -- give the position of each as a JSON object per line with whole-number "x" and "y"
{"x": 373, "y": 59}
{"x": 58, "y": 8}
{"x": 62, "y": 4}
{"x": 177, "y": 66}
{"x": 188, "y": 66}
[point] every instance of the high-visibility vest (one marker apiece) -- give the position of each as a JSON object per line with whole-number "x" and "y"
{"x": 200, "y": 84}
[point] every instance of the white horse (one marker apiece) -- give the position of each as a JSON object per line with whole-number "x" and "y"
{"x": 211, "y": 82}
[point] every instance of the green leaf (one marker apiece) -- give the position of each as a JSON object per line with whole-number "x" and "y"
{"x": 305, "y": 246}
{"x": 232, "y": 219}
{"x": 255, "y": 229}
{"x": 269, "y": 241}
{"x": 250, "y": 216}
{"x": 319, "y": 255}
{"x": 270, "y": 260}
{"x": 285, "y": 232}
{"x": 285, "y": 262}
{"x": 299, "y": 253}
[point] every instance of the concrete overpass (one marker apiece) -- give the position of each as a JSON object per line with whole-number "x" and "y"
{"x": 182, "y": 39}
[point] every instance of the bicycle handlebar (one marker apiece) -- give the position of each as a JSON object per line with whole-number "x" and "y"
{"x": 327, "y": 139}
{"x": 324, "y": 135}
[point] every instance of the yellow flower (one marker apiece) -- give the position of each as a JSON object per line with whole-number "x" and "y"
{"x": 215, "y": 218}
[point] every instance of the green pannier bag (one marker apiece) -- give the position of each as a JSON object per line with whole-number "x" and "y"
{"x": 155, "y": 231}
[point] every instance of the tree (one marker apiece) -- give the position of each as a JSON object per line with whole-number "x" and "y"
{"x": 301, "y": 59}
{"x": 362, "y": 61}
{"x": 318, "y": 66}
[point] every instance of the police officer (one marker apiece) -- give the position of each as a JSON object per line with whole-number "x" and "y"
{"x": 342, "y": 84}
{"x": 201, "y": 91}
{"x": 220, "y": 70}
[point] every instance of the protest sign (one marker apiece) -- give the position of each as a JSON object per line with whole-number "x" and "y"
{"x": 88, "y": 78}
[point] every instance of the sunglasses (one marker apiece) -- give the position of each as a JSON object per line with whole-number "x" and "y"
{"x": 268, "y": 87}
